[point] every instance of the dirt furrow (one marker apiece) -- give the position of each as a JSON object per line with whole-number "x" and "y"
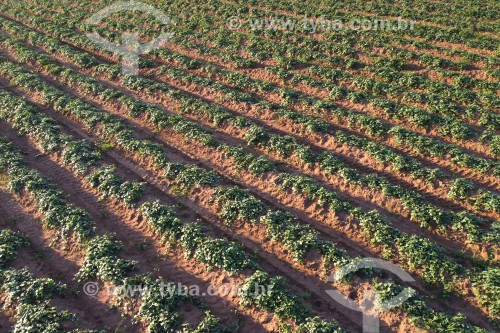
{"x": 298, "y": 209}
{"x": 113, "y": 217}
{"x": 56, "y": 259}
{"x": 431, "y": 193}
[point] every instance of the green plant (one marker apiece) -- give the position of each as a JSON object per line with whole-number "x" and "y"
{"x": 21, "y": 286}
{"x": 237, "y": 204}
{"x": 460, "y": 189}
{"x": 107, "y": 181}
{"x": 270, "y": 294}
{"x": 101, "y": 261}
{"x": 10, "y": 242}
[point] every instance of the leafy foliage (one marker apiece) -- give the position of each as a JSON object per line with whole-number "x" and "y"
{"x": 50, "y": 201}
{"x": 237, "y": 204}
{"x": 80, "y": 155}
{"x": 41, "y": 318}
{"x": 460, "y": 189}
{"x": 22, "y": 287}
{"x": 270, "y": 294}
{"x": 108, "y": 182}
{"x": 487, "y": 287}
{"x": 187, "y": 176}
{"x": 299, "y": 238}
{"x": 318, "y": 325}
{"x": 102, "y": 262}
{"x": 423, "y": 316}
{"x": 213, "y": 252}
{"x": 159, "y": 305}
{"x": 10, "y": 242}
{"x": 246, "y": 161}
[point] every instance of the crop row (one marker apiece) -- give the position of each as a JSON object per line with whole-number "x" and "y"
{"x": 328, "y": 163}
{"x": 422, "y": 31}
{"x": 161, "y": 220}
{"x": 155, "y": 116}
{"x": 386, "y": 69}
{"x": 339, "y": 42}
{"x": 102, "y": 263}
{"x": 438, "y": 103}
{"x": 421, "y": 144}
{"x": 101, "y": 259}
{"x": 125, "y": 138}
{"x": 29, "y": 295}
{"x": 474, "y": 15}
{"x": 19, "y": 76}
